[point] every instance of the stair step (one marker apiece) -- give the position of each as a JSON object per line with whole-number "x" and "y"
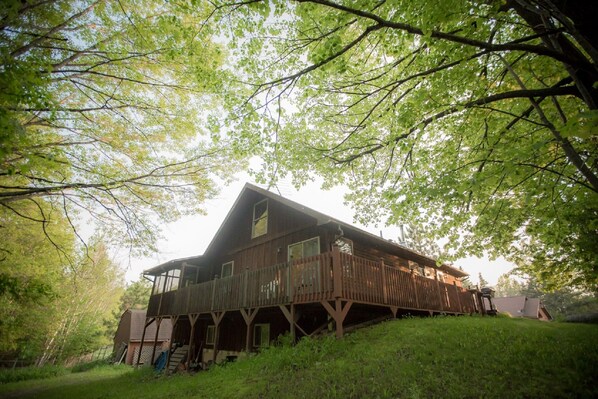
{"x": 177, "y": 357}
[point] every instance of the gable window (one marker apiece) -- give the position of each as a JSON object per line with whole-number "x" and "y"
{"x": 261, "y": 335}
{"x": 210, "y": 335}
{"x": 304, "y": 249}
{"x": 260, "y": 219}
{"x": 227, "y": 269}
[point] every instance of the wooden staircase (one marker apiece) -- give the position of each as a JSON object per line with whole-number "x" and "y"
{"x": 179, "y": 356}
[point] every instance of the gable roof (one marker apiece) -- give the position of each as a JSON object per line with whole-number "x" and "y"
{"x": 321, "y": 219}
{"x": 522, "y": 306}
{"x": 136, "y": 318}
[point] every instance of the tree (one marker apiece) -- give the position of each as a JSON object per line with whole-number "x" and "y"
{"x": 478, "y": 119}
{"x": 562, "y": 302}
{"x": 135, "y": 296}
{"x": 417, "y": 238}
{"x": 30, "y": 269}
{"x": 86, "y": 296}
{"x": 507, "y": 286}
{"x": 481, "y": 281}
{"x": 52, "y": 308}
{"x": 103, "y": 113}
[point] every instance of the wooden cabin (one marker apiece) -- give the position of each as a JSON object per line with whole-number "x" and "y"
{"x": 278, "y": 267}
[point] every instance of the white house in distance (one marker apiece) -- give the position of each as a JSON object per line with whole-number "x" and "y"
{"x": 522, "y": 306}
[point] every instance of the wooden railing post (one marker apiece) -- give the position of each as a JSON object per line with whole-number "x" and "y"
{"x": 213, "y": 291}
{"x": 440, "y": 300}
{"x": 458, "y": 297}
{"x": 290, "y": 282}
{"x": 245, "y": 287}
{"x": 337, "y": 282}
{"x": 415, "y": 289}
{"x": 383, "y": 271}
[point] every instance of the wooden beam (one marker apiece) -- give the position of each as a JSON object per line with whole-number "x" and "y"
{"x": 158, "y": 322}
{"x": 338, "y": 313}
{"x": 147, "y": 323}
{"x": 248, "y": 316}
{"x": 292, "y": 319}
{"x": 217, "y": 318}
{"x": 192, "y": 320}
{"x": 317, "y": 330}
{"x": 394, "y": 310}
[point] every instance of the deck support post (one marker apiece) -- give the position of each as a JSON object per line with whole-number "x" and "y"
{"x": 481, "y": 302}
{"x": 147, "y": 323}
{"x": 158, "y": 322}
{"x": 174, "y": 321}
{"x": 338, "y": 313}
{"x": 249, "y": 316}
{"x": 192, "y": 320}
{"x": 394, "y": 310}
{"x": 292, "y": 319}
{"x": 217, "y": 318}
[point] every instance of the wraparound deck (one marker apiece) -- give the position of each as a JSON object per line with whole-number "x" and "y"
{"x": 331, "y": 276}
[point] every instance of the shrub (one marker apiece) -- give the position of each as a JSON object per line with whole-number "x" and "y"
{"x": 30, "y": 373}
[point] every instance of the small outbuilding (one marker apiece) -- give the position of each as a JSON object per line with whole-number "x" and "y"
{"x": 522, "y": 306}
{"x": 127, "y": 338}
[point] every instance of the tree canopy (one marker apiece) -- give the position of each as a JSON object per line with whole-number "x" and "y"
{"x": 54, "y": 303}
{"x": 477, "y": 120}
{"x": 103, "y": 113}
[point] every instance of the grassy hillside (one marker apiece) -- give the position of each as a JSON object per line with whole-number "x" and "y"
{"x": 460, "y": 357}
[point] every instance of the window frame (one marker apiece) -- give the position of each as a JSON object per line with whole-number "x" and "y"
{"x": 232, "y": 269}
{"x": 211, "y": 335}
{"x": 262, "y": 327}
{"x": 302, "y": 248}
{"x": 257, "y": 220}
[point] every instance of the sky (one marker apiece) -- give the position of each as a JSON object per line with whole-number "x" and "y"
{"x": 191, "y": 235}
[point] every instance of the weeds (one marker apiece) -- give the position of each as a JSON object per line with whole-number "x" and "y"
{"x": 30, "y": 373}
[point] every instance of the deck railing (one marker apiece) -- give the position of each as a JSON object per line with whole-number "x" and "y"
{"x": 313, "y": 279}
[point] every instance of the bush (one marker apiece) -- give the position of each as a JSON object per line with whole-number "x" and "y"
{"x": 30, "y": 373}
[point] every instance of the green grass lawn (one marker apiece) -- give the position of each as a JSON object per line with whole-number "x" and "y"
{"x": 444, "y": 357}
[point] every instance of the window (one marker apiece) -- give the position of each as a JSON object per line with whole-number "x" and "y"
{"x": 261, "y": 335}
{"x": 304, "y": 249}
{"x": 260, "y": 219}
{"x": 171, "y": 278}
{"x": 158, "y": 284}
{"x": 210, "y": 335}
{"x": 227, "y": 269}
{"x": 307, "y": 274}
